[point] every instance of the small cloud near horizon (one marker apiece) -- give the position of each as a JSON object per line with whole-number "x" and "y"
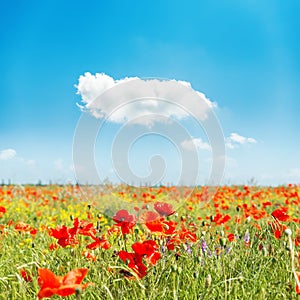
{"x": 7, "y": 154}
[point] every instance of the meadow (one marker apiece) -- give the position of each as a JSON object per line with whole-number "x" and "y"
{"x": 119, "y": 242}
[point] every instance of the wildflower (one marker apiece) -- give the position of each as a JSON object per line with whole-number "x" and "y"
{"x": 297, "y": 285}
{"x": 281, "y": 214}
{"x": 135, "y": 262}
{"x": 164, "y": 209}
{"x": 231, "y": 237}
{"x": 247, "y": 238}
{"x": 204, "y": 246}
{"x": 25, "y": 275}
{"x": 278, "y": 229}
{"x": 53, "y": 246}
{"x": 84, "y": 227}
{"x": 147, "y": 250}
{"x": 124, "y": 220}
{"x": 297, "y": 239}
{"x": 65, "y": 236}
{"x": 155, "y": 223}
{"x": 51, "y": 284}
{"x": 89, "y": 256}
{"x": 21, "y": 226}
{"x": 219, "y": 219}
{"x": 99, "y": 243}
{"x": 2, "y": 210}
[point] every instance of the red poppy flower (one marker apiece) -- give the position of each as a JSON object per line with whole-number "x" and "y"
{"x": 185, "y": 234}
{"x": 297, "y": 238}
{"x": 66, "y": 236}
{"x": 21, "y": 226}
{"x": 2, "y": 209}
{"x": 278, "y": 229}
{"x": 281, "y": 214}
{"x": 164, "y": 209}
{"x": 135, "y": 262}
{"x": 297, "y": 285}
{"x": 155, "y": 223}
{"x": 89, "y": 256}
{"x": 219, "y": 219}
{"x": 230, "y": 237}
{"x": 124, "y": 220}
{"x": 84, "y": 228}
{"x": 147, "y": 250}
{"x": 33, "y": 231}
{"x": 99, "y": 243}
{"x": 51, "y": 284}
{"x": 25, "y": 275}
{"x": 53, "y": 246}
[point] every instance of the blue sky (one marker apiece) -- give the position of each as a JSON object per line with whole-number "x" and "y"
{"x": 243, "y": 55}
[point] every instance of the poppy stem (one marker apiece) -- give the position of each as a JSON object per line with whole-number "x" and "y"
{"x": 78, "y": 293}
{"x": 124, "y": 239}
{"x": 291, "y": 246}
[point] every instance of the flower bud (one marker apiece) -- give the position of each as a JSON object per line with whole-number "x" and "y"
{"x": 288, "y": 232}
{"x": 208, "y": 281}
{"x": 248, "y": 219}
{"x": 223, "y": 242}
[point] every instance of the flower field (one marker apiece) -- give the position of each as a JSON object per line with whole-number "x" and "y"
{"x": 119, "y": 242}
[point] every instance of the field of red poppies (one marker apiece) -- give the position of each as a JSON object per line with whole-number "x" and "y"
{"x": 119, "y": 242}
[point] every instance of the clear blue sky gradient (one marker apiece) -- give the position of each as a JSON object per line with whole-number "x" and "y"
{"x": 244, "y": 55}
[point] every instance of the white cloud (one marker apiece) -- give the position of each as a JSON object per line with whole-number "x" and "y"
{"x": 136, "y": 98}
{"x": 7, "y": 154}
{"x": 58, "y": 164}
{"x": 31, "y": 163}
{"x": 234, "y": 140}
{"x": 231, "y": 142}
{"x": 195, "y": 143}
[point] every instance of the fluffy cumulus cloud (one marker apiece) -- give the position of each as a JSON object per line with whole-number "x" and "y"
{"x": 235, "y": 140}
{"x": 7, "y": 154}
{"x": 195, "y": 143}
{"x": 142, "y": 101}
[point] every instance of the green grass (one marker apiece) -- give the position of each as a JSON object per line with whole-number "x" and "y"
{"x": 261, "y": 270}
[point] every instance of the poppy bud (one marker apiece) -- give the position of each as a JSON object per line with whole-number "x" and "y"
{"x": 223, "y": 242}
{"x": 166, "y": 226}
{"x": 208, "y": 281}
{"x": 177, "y": 255}
{"x": 179, "y": 270}
{"x": 288, "y": 232}
{"x": 78, "y": 292}
{"x": 98, "y": 226}
{"x": 264, "y": 251}
{"x": 71, "y": 217}
{"x": 174, "y": 268}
